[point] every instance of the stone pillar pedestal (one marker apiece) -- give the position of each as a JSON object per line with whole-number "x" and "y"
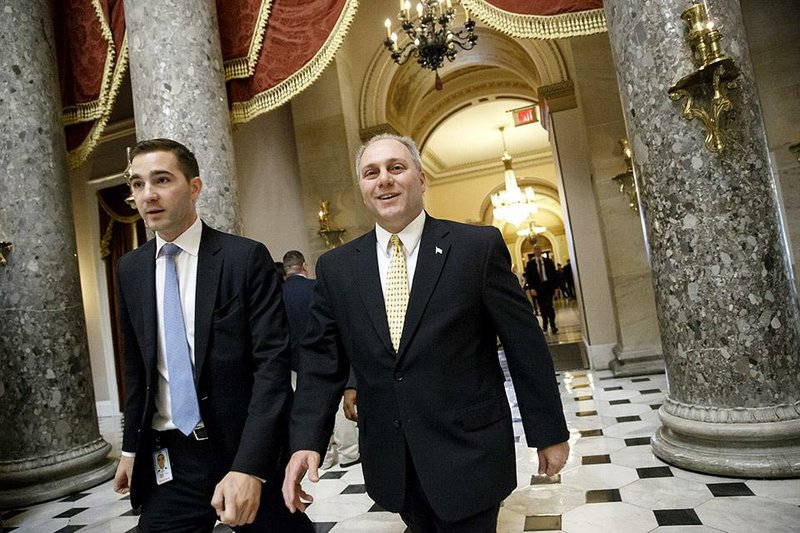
{"x": 727, "y": 307}
{"x": 50, "y": 444}
{"x": 178, "y": 84}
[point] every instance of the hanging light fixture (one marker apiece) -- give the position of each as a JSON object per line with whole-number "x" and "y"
{"x": 513, "y": 205}
{"x": 431, "y": 37}
{"x": 531, "y": 231}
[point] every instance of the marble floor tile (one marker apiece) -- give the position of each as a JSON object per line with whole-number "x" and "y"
{"x": 592, "y": 477}
{"x": 381, "y": 522}
{"x": 617, "y": 497}
{"x": 665, "y": 493}
{"x": 598, "y": 445}
{"x": 746, "y": 514}
{"x": 636, "y": 456}
{"x": 616, "y": 517}
{"x": 544, "y": 499}
{"x": 783, "y": 490}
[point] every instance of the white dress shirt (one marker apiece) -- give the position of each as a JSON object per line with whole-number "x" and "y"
{"x": 186, "y": 265}
{"x": 410, "y": 237}
{"x": 541, "y": 268}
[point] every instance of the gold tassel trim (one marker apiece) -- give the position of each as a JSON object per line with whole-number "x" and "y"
{"x": 274, "y": 97}
{"x": 79, "y": 155}
{"x": 538, "y": 26}
{"x": 244, "y": 67}
{"x": 92, "y": 110}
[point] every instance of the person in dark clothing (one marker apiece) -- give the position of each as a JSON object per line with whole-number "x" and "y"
{"x": 542, "y": 278}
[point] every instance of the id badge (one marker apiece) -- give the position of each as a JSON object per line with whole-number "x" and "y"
{"x": 162, "y": 466}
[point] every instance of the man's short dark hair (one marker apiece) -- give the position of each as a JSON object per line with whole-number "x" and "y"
{"x": 187, "y": 162}
{"x": 293, "y": 260}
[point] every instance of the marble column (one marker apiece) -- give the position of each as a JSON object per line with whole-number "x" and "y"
{"x": 725, "y": 297}
{"x": 50, "y": 444}
{"x": 178, "y": 84}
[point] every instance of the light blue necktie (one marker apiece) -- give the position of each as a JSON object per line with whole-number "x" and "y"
{"x": 183, "y": 396}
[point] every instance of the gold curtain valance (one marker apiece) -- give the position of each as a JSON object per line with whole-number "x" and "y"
{"x": 553, "y": 19}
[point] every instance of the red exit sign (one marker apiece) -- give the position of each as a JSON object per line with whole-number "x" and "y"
{"x": 524, "y": 115}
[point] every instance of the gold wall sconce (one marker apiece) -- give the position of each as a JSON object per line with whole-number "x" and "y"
{"x": 714, "y": 73}
{"x": 5, "y": 247}
{"x": 626, "y": 180}
{"x": 333, "y": 237}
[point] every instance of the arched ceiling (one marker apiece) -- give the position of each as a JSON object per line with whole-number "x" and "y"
{"x": 471, "y": 135}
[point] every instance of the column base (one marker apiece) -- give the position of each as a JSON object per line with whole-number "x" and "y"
{"x": 743, "y": 450}
{"x": 41, "y": 479}
{"x": 629, "y": 362}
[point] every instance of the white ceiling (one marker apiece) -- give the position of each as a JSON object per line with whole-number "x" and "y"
{"x": 471, "y": 134}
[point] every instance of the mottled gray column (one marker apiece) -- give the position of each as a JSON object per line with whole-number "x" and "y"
{"x": 50, "y": 443}
{"x": 726, "y": 302}
{"x": 178, "y": 85}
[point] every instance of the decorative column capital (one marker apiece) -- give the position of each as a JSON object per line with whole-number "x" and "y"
{"x": 559, "y": 96}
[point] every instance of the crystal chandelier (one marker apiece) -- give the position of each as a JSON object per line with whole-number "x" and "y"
{"x": 531, "y": 232}
{"x": 431, "y": 37}
{"x": 513, "y": 205}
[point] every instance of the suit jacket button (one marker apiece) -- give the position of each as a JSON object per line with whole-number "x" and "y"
{"x": 396, "y": 423}
{"x": 398, "y": 376}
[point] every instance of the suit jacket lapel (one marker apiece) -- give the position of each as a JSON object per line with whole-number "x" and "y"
{"x": 145, "y": 281}
{"x": 365, "y": 269}
{"x": 209, "y": 268}
{"x": 431, "y": 256}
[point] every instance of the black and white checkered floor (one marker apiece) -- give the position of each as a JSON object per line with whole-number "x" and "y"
{"x": 612, "y": 483}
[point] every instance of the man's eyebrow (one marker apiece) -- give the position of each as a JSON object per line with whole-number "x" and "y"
{"x": 154, "y": 172}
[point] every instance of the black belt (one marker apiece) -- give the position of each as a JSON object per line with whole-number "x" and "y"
{"x": 199, "y": 434}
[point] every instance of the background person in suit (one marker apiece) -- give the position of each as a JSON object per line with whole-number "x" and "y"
{"x": 568, "y": 280}
{"x": 542, "y": 280}
{"x": 415, "y": 307}
{"x": 298, "y": 290}
{"x": 297, "y": 296}
{"x": 206, "y": 357}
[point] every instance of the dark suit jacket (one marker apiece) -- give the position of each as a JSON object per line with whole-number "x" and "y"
{"x": 241, "y": 355}
{"x": 298, "y": 291}
{"x": 533, "y": 280}
{"x": 443, "y": 394}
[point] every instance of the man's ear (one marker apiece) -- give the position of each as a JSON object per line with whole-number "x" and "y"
{"x": 197, "y": 185}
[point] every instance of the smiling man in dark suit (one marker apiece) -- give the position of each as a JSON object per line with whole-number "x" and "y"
{"x": 416, "y": 306}
{"x": 206, "y": 362}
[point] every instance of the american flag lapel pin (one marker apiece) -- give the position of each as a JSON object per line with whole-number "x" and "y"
{"x": 438, "y": 250}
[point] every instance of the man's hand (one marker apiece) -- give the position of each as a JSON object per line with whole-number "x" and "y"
{"x": 553, "y": 458}
{"x": 349, "y": 404}
{"x": 236, "y": 498}
{"x": 302, "y": 461}
{"x": 122, "y": 479}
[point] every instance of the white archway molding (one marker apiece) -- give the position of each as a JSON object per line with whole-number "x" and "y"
{"x": 398, "y": 95}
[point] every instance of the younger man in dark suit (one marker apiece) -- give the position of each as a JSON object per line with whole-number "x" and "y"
{"x": 415, "y": 306}
{"x": 206, "y": 362}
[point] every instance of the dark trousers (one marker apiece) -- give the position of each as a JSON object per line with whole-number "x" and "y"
{"x": 420, "y": 517}
{"x": 545, "y": 300}
{"x": 183, "y": 505}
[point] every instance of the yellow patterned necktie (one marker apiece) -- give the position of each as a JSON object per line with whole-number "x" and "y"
{"x": 396, "y": 292}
